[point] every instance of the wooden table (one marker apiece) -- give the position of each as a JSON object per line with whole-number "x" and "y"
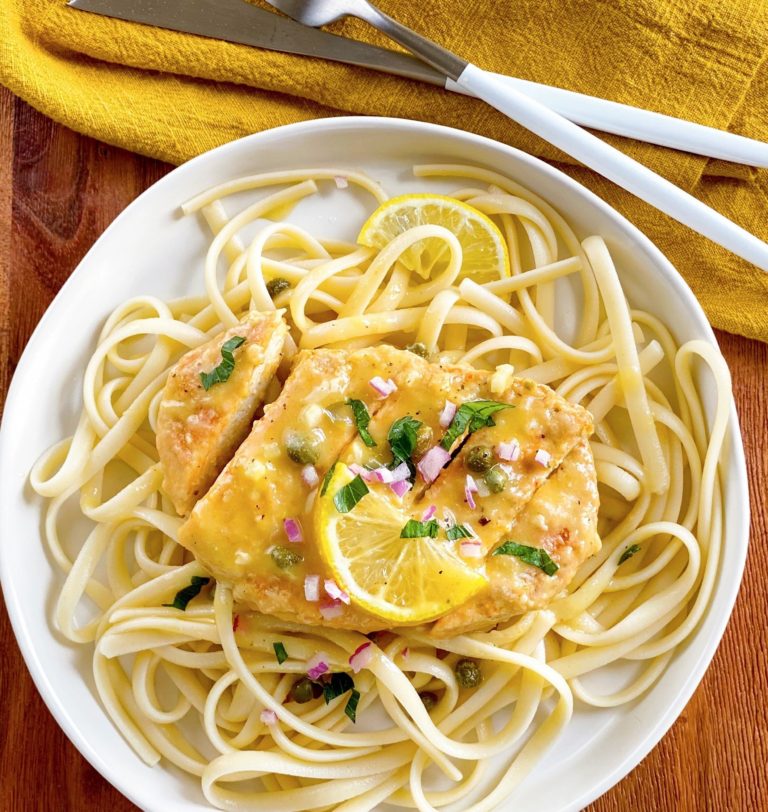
{"x": 58, "y": 192}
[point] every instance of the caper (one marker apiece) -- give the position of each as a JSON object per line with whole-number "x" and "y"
{"x": 285, "y": 558}
{"x": 468, "y": 673}
{"x": 479, "y": 459}
{"x": 302, "y": 448}
{"x": 339, "y": 412}
{"x": 277, "y": 285}
{"x": 418, "y": 348}
{"x": 305, "y": 691}
{"x": 429, "y": 699}
{"x": 496, "y": 480}
{"x": 423, "y": 440}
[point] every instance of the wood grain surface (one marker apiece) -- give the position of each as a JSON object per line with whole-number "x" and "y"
{"x": 58, "y": 191}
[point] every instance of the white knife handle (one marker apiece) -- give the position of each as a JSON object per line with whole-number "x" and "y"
{"x": 633, "y": 122}
{"x": 613, "y": 164}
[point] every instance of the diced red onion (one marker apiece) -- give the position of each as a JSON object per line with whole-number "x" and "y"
{"x": 448, "y": 413}
{"x": 269, "y": 717}
{"x": 429, "y": 513}
{"x": 471, "y": 548}
{"x": 362, "y": 655}
{"x": 382, "y": 475}
{"x": 358, "y": 469}
{"x": 542, "y": 457}
{"x": 509, "y": 451}
{"x": 470, "y": 488}
{"x": 317, "y": 665}
{"x": 312, "y": 588}
{"x": 341, "y": 181}
{"x": 384, "y": 388}
{"x": 335, "y": 592}
{"x": 482, "y": 489}
{"x": 432, "y": 462}
{"x": 401, "y": 472}
{"x": 293, "y": 530}
{"x": 332, "y": 610}
{"x": 310, "y": 476}
{"x": 401, "y": 487}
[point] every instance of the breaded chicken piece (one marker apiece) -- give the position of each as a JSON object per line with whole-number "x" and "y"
{"x": 421, "y": 394}
{"x": 198, "y": 430}
{"x": 541, "y": 423}
{"x": 233, "y": 531}
{"x": 560, "y": 518}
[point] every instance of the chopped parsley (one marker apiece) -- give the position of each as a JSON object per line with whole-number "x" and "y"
{"x": 531, "y": 555}
{"x": 403, "y": 438}
{"x": 221, "y": 373}
{"x": 458, "y": 531}
{"x": 420, "y": 530}
{"x": 280, "y": 653}
{"x": 184, "y": 596}
{"x": 476, "y": 414}
{"x": 362, "y": 420}
{"x": 337, "y": 685}
{"x": 629, "y": 552}
{"x": 351, "y": 707}
{"x": 348, "y": 496}
{"x": 327, "y": 479}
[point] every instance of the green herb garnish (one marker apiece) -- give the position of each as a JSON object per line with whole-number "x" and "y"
{"x": 221, "y": 373}
{"x": 337, "y": 685}
{"x": 362, "y": 420}
{"x": 280, "y": 653}
{"x": 184, "y": 596}
{"x": 458, "y": 531}
{"x": 531, "y": 555}
{"x": 476, "y": 414}
{"x": 348, "y": 496}
{"x": 420, "y": 530}
{"x": 629, "y": 552}
{"x": 351, "y": 707}
{"x": 327, "y": 479}
{"x": 402, "y": 438}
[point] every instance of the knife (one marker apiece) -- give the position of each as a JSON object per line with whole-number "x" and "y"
{"x": 240, "y": 22}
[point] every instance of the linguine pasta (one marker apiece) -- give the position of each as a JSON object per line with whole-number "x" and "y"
{"x": 199, "y": 690}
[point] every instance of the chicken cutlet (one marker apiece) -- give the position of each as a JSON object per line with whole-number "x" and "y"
{"x": 207, "y": 408}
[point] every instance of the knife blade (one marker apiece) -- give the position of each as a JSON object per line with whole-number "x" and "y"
{"x": 240, "y": 22}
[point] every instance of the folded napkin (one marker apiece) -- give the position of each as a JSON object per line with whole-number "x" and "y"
{"x": 173, "y": 96}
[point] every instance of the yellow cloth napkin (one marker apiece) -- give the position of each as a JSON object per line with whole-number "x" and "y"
{"x": 173, "y": 96}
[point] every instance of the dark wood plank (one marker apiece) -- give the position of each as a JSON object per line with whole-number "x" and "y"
{"x": 58, "y": 191}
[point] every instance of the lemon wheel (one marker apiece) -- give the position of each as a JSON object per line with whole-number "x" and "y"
{"x": 485, "y": 255}
{"x": 405, "y": 580}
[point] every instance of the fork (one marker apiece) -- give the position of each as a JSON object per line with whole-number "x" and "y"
{"x": 539, "y": 119}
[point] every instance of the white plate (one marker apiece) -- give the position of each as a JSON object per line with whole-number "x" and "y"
{"x": 151, "y": 249}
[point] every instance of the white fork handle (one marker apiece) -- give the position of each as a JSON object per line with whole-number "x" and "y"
{"x": 634, "y": 122}
{"x": 614, "y": 165}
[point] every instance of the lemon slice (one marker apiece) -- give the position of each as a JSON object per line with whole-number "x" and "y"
{"x": 485, "y": 255}
{"x": 403, "y": 580}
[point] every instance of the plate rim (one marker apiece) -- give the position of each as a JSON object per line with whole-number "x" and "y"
{"x": 734, "y": 442}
